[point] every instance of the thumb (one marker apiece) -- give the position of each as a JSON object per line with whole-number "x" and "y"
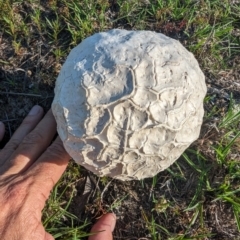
{"x": 103, "y": 228}
{"x": 48, "y": 236}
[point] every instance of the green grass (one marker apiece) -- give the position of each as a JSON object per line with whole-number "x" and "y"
{"x": 178, "y": 203}
{"x": 57, "y": 219}
{"x": 208, "y": 32}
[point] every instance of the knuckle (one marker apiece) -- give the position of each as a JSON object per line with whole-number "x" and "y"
{"x": 28, "y": 121}
{"x": 18, "y": 189}
{"x": 56, "y": 150}
{"x": 12, "y": 145}
{"x": 33, "y": 138}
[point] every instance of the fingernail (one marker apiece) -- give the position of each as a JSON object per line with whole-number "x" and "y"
{"x": 35, "y": 110}
{"x": 1, "y": 124}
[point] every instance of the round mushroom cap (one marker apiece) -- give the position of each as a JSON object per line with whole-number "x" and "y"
{"x": 128, "y": 103}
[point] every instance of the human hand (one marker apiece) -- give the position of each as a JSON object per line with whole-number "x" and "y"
{"x": 29, "y": 169}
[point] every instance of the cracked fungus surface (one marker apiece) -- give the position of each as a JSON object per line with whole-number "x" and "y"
{"x": 128, "y": 103}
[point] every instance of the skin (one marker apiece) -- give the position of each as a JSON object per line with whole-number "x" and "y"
{"x": 30, "y": 166}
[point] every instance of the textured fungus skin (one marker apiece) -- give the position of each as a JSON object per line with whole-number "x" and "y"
{"x": 128, "y": 103}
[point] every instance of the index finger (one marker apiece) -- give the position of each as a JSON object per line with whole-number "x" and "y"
{"x": 48, "y": 169}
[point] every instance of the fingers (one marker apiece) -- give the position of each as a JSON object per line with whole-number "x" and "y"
{"x": 48, "y": 169}
{"x": 32, "y": 146}
{"x": 104, "y": 228}
{"x": 48, "y": 237}
{"x": 2, "y": 130}
{"x": 28, "y": 124}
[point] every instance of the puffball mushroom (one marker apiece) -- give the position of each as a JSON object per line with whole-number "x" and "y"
{"x": 128, "y": 103}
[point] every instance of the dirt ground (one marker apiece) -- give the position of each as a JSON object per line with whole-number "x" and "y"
{"x": 22, "y": 85}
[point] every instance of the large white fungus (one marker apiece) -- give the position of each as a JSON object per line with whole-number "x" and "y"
{"x": 128, "y": 103}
